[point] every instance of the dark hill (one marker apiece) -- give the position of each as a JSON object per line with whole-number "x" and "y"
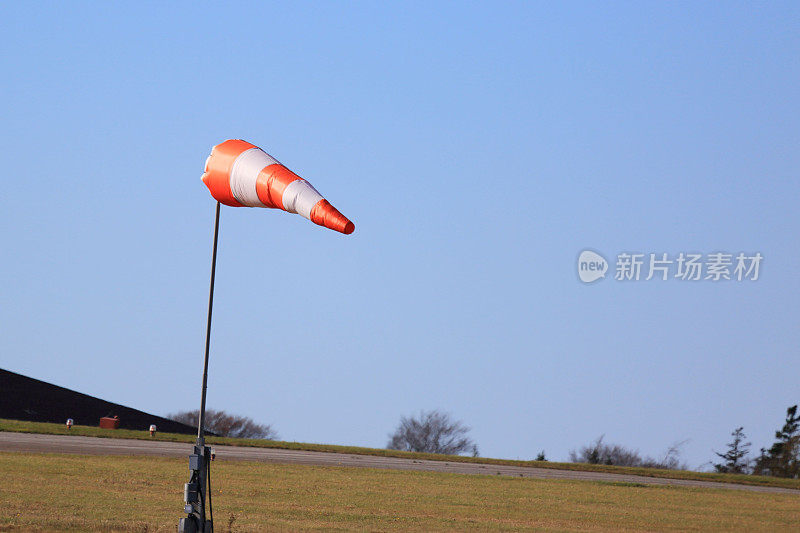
{"x": 24, "y": 398}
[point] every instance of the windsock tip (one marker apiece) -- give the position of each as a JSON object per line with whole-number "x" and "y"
{"x": 326, "y": 215}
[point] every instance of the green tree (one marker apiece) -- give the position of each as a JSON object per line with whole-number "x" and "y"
{"x": 782, "y": 460}
{"x": 735, "y": 461}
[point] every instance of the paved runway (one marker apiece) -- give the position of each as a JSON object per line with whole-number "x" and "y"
{"x": 27, "y": 442}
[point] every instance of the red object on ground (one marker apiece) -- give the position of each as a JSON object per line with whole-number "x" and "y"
{"x": 108, "y": 422}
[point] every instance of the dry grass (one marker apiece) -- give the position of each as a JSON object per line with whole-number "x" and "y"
{"x": 96, "y": 493}
{"x": 90, "y": 431}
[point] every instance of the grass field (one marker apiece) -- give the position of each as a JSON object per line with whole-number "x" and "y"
{"x": 101, "y": 493}
{"x": 91, "y": 431}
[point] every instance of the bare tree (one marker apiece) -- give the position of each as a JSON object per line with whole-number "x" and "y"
{"x": 227, "y": 425}
{"x": 614, "y": 454}
{"x": 671, "y": 459}
{"x": 600, "y": 453}
{"x": 432, "y": 432}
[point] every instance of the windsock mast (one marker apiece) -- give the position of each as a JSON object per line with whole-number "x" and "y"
{"x": 240, "y": 174}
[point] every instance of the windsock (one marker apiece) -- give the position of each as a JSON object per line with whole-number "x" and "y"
{"x": 240, "y": 174}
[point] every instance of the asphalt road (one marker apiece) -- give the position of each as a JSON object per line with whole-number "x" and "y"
{"x": 28, "y": 442}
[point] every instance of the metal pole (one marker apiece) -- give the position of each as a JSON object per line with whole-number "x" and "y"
{"x": 194, "y": 493}
{"x": 201, "y": 421}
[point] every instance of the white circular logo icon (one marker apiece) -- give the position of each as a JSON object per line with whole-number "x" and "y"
{"x": 591, "y": 266}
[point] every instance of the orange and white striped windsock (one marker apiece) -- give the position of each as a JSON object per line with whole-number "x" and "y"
{"x": 240, "y": 174}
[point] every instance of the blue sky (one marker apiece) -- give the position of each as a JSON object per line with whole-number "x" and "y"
{"x": 478, "y": 148}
